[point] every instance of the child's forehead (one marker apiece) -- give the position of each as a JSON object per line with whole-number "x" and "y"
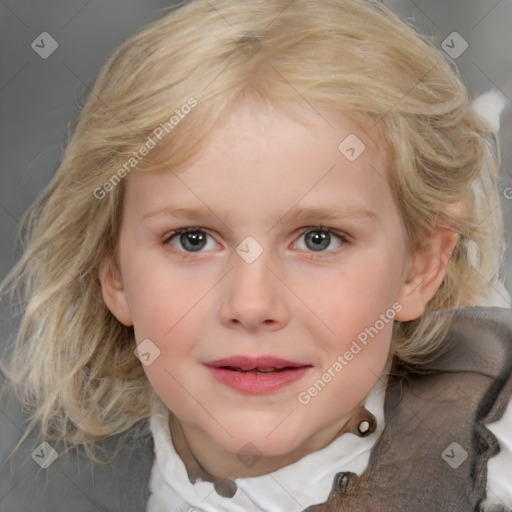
{"x": 259, "y": 157}
{"x": 253, "y": 129}
{"x": 257, "y": 117}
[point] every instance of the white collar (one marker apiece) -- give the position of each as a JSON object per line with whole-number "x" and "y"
{"x": 292, "y": 488}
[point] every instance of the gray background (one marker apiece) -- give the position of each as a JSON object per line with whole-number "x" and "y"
{"x": 39, "y": 97}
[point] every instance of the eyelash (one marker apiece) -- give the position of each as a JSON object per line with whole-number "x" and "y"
{"x": 343, "y": 237}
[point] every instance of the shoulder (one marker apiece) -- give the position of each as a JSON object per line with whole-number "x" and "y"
{"x": 436, "y": 444}
{"x": 461, "y": 402}
{"x": 480, "y": 340}
{"x": 485, "y": 334}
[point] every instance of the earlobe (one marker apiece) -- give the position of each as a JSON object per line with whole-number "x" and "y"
{"x": 112, "y": 289}
{"x": 426, "y": 274}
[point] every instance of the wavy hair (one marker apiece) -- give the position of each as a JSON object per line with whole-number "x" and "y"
{"x": 72, "y": 363}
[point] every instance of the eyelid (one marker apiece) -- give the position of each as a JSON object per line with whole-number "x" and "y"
{"x": 185, "y": 229}
{"x": 343, "y": 236}
{"x": 303, "y": 230}
{"x": 188, "y": 229}
{"x": 320, "y": 227}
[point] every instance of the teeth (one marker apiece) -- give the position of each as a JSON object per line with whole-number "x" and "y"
{"x": 259, "y": 369}
{"x": 254, "y": 371}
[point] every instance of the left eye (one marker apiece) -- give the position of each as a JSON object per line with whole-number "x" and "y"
{"x": 319, "y": 239}
{"x": 192, "y": 240}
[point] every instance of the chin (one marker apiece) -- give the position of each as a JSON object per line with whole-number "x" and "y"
{"x": 265, "y": 442}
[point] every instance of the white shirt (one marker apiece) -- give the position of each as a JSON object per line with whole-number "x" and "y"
{"x": 290, "y": 489}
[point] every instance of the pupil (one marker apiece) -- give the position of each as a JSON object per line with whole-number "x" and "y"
{"x": 194, "y": 240}
{"x": 319, "y": 239}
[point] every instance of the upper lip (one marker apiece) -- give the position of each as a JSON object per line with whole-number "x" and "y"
{"x": 250, "y": 363}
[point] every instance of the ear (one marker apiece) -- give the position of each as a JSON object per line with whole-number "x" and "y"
{"x": 426, "y": 274}
{"x": 112, "y": 289}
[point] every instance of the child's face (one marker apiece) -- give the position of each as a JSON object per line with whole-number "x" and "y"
{"x": 254, "y": 187}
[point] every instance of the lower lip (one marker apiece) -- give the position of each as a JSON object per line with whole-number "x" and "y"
{"x": 257, "y": 384}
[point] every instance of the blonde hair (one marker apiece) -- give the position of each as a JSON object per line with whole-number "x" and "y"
{"x": 72, "y": 360}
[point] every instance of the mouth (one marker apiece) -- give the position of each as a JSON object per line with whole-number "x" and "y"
{"x": 260, "y": 375}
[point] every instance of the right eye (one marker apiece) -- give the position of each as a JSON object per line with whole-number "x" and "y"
{"x": 190, "y": 240}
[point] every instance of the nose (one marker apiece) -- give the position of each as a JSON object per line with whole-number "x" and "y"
{"x": 255, "y": 298}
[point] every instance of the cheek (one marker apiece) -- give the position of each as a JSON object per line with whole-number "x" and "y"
{"x": 357, "y": 314}
{"x": 352, "y": 367}
{"x": 355, "y": 299}
{"x": 162, "y": 298}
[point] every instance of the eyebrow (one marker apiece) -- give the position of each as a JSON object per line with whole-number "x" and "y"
{"x": 295, "y": 214}
{"x": 353, "y": 212}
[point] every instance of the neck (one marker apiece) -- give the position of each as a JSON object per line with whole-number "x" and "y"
{"x": 204, "y": 458}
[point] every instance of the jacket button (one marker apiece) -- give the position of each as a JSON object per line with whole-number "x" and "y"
{"x": 340, "y": 483}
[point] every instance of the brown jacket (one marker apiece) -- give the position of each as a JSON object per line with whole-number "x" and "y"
{"x": 433, "y": 453}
